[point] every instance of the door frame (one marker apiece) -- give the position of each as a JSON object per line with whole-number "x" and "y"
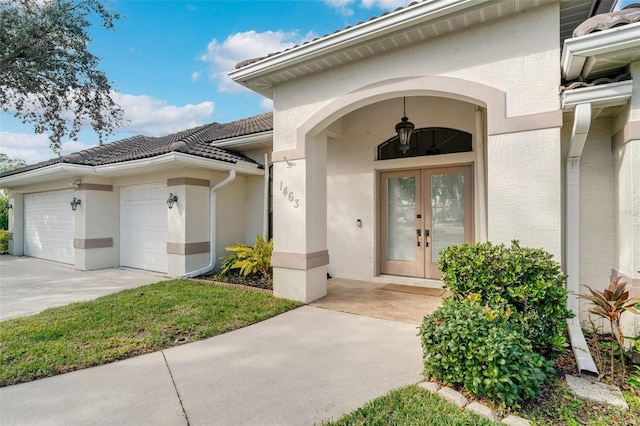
{"x": 423, "y": 269}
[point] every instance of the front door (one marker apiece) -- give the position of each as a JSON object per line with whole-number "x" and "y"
{"x": 423, "y": 212}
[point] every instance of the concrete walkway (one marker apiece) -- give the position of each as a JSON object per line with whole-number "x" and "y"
{"x": 298, "y": 368}
{"x": 28, "y": 285}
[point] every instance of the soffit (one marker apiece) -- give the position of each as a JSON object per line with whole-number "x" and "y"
{"x": 405, "y": 26}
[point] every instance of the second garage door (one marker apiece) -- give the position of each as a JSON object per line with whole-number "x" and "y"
{"x": 49, "y": 226}
{"x": 144, "y": 227}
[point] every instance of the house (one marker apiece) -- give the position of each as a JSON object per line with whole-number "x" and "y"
{"x": 522, "y": 129}
{"x": 108, "y": 206}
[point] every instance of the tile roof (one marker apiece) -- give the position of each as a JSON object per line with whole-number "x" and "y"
{"x": 247, "y": 62}
{"x": 199, "y": 141}
{"x": 578, "y": 84}
{"x": 606, "y": 21}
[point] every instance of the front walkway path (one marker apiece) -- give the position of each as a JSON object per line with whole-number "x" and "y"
{"x": 298, "y": 368}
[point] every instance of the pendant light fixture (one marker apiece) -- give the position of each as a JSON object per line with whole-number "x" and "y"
{"x": 404, "y": 128}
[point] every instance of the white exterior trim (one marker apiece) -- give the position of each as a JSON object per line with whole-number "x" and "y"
{"x": 576, "y": 50}
{"x": 602, "y": 96}
{"x": 61, "y": 170}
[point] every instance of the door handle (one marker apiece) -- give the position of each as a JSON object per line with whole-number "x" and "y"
{"x": 418, "y": 235}
{"x": 426, "y": 238}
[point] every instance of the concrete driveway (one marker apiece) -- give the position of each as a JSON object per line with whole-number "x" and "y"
{"x": 298, "y": 368}
{"x": 29, "y": 285}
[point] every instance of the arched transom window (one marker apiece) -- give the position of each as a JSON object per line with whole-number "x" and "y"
{"x": 427, "y": 141}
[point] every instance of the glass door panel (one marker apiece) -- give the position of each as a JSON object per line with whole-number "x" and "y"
{"x": 401, "y": 201}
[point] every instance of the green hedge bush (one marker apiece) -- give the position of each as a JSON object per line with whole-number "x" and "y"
{"x": 525, "y": 280}
{"x": 4, "y": 241}
{"x": 482, "y": 349}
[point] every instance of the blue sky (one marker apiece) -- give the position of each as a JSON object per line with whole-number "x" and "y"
{"x": 168, "y": 62}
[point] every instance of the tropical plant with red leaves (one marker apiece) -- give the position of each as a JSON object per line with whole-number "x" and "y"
{"x": 610, "y": 304}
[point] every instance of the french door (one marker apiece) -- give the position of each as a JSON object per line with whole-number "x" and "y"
{"x": 422, "y": 212}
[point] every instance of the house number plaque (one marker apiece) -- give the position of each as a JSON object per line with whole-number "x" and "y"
{"x": 289, "y": 196}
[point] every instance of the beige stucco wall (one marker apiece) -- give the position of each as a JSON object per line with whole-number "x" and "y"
{"x": 513, "y": 65}
{"x": 187, "y": 225}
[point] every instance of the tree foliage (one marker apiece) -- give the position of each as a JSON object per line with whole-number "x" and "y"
{"x": 48, "y": 77}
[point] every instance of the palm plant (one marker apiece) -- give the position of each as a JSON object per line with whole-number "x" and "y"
{"x": 610, "y": 304}
{"x": 249, "y": 260}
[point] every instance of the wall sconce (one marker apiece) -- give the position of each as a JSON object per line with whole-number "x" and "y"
{"x": 74, "y": 204}
{"x": 404, "y": 128}
{"x": 7, "y": 207}
{"x": 172, "y": 199}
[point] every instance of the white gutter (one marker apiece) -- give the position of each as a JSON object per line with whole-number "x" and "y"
{"x": 576, "y": 50}
{"x": 212, "y": 227}
{"x": 241, "y": 141}
{"x": 265, "y": 204}
{"x": 117, "y": 169}
{"x": 601, "y": 96}
{"x": 581, "y": 125}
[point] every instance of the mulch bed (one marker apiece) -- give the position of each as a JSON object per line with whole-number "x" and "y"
{"x": 250, "y": 282}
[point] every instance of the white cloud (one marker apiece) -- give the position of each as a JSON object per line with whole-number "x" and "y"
{"x": 154, "y": 117}
{"x": 342, "y": 6}
{"x": 195, "y": 76}
{"x": 33, "y": 148}
{"x": 389, "y": 5}
{"x": 142, "y": 114}
{"x": 266, "y": 105}
{"x": 223, "y": 57}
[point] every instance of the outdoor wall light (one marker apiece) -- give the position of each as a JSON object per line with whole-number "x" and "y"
{"x": 8, "y": 206}
{"x": 172, "y": 199}
{"x": 74, "y": 204}
{"x": 404, "y": 128}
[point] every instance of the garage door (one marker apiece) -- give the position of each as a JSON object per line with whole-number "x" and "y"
{"x": 49, "y": 226}
{"x": 144, "y": 227}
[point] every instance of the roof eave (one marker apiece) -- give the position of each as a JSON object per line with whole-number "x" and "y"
{"x": 577, "y": 50}
{"x": 399, "y": 20}
{"x": 602, "y": 96}
{"x": 65, "y": 170}
{"x": 246, "y": 142}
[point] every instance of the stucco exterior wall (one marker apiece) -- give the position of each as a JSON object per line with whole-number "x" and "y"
{"x": 352, "y": 173}
{"x": 98, "y": 219}
{"x": 355, "y": 107}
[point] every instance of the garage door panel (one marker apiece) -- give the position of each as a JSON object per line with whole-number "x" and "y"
{"x": 49, "y": 226}
{"x": 144, "y": 227}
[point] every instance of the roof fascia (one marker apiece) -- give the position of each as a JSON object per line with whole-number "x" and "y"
{"x": 402, "y": 19}
{"x": 65, "y": 169}
{"x": 240, "y": 141}
{"x": 602, "y": 96}
{"x": 183, "y": 159}
{"x": 576, "y": 50}
{"x": 44, "y": 174}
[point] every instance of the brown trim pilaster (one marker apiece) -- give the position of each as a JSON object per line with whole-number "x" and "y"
{"x": 94, "y": 187}
{"x": 188, "y": 248}
{"x": 188, "y": 181}
{"x": 92, "y": 243}
{"x": 10, "y": 236}
{"x": 300, "y": 261}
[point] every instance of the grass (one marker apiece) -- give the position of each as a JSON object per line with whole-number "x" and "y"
{"x": 126, "y": 324}
{"x": 410, "y": 405}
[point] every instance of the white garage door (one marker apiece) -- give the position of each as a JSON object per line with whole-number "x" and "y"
{"x": 144, "y": 227}
{"x": 49, "y": 226}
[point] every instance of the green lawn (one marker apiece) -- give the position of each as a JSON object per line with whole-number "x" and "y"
{"x": 410, "y": 405}
{"x": 126, "y": 324}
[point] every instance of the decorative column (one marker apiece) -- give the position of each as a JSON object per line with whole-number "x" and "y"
{"x": 300, "y": 256}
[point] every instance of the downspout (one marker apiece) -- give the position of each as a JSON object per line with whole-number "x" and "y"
{"x": 212, "y": 227}
{"x": 581, "y": 124}
{"x": 265, "y": 204}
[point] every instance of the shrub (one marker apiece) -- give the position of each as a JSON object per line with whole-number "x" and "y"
{"x": 4, "y": 241}
{"x": 249, "y": 260}
{"x": 482, "y": 349}
{"x": 525, "y": 280}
